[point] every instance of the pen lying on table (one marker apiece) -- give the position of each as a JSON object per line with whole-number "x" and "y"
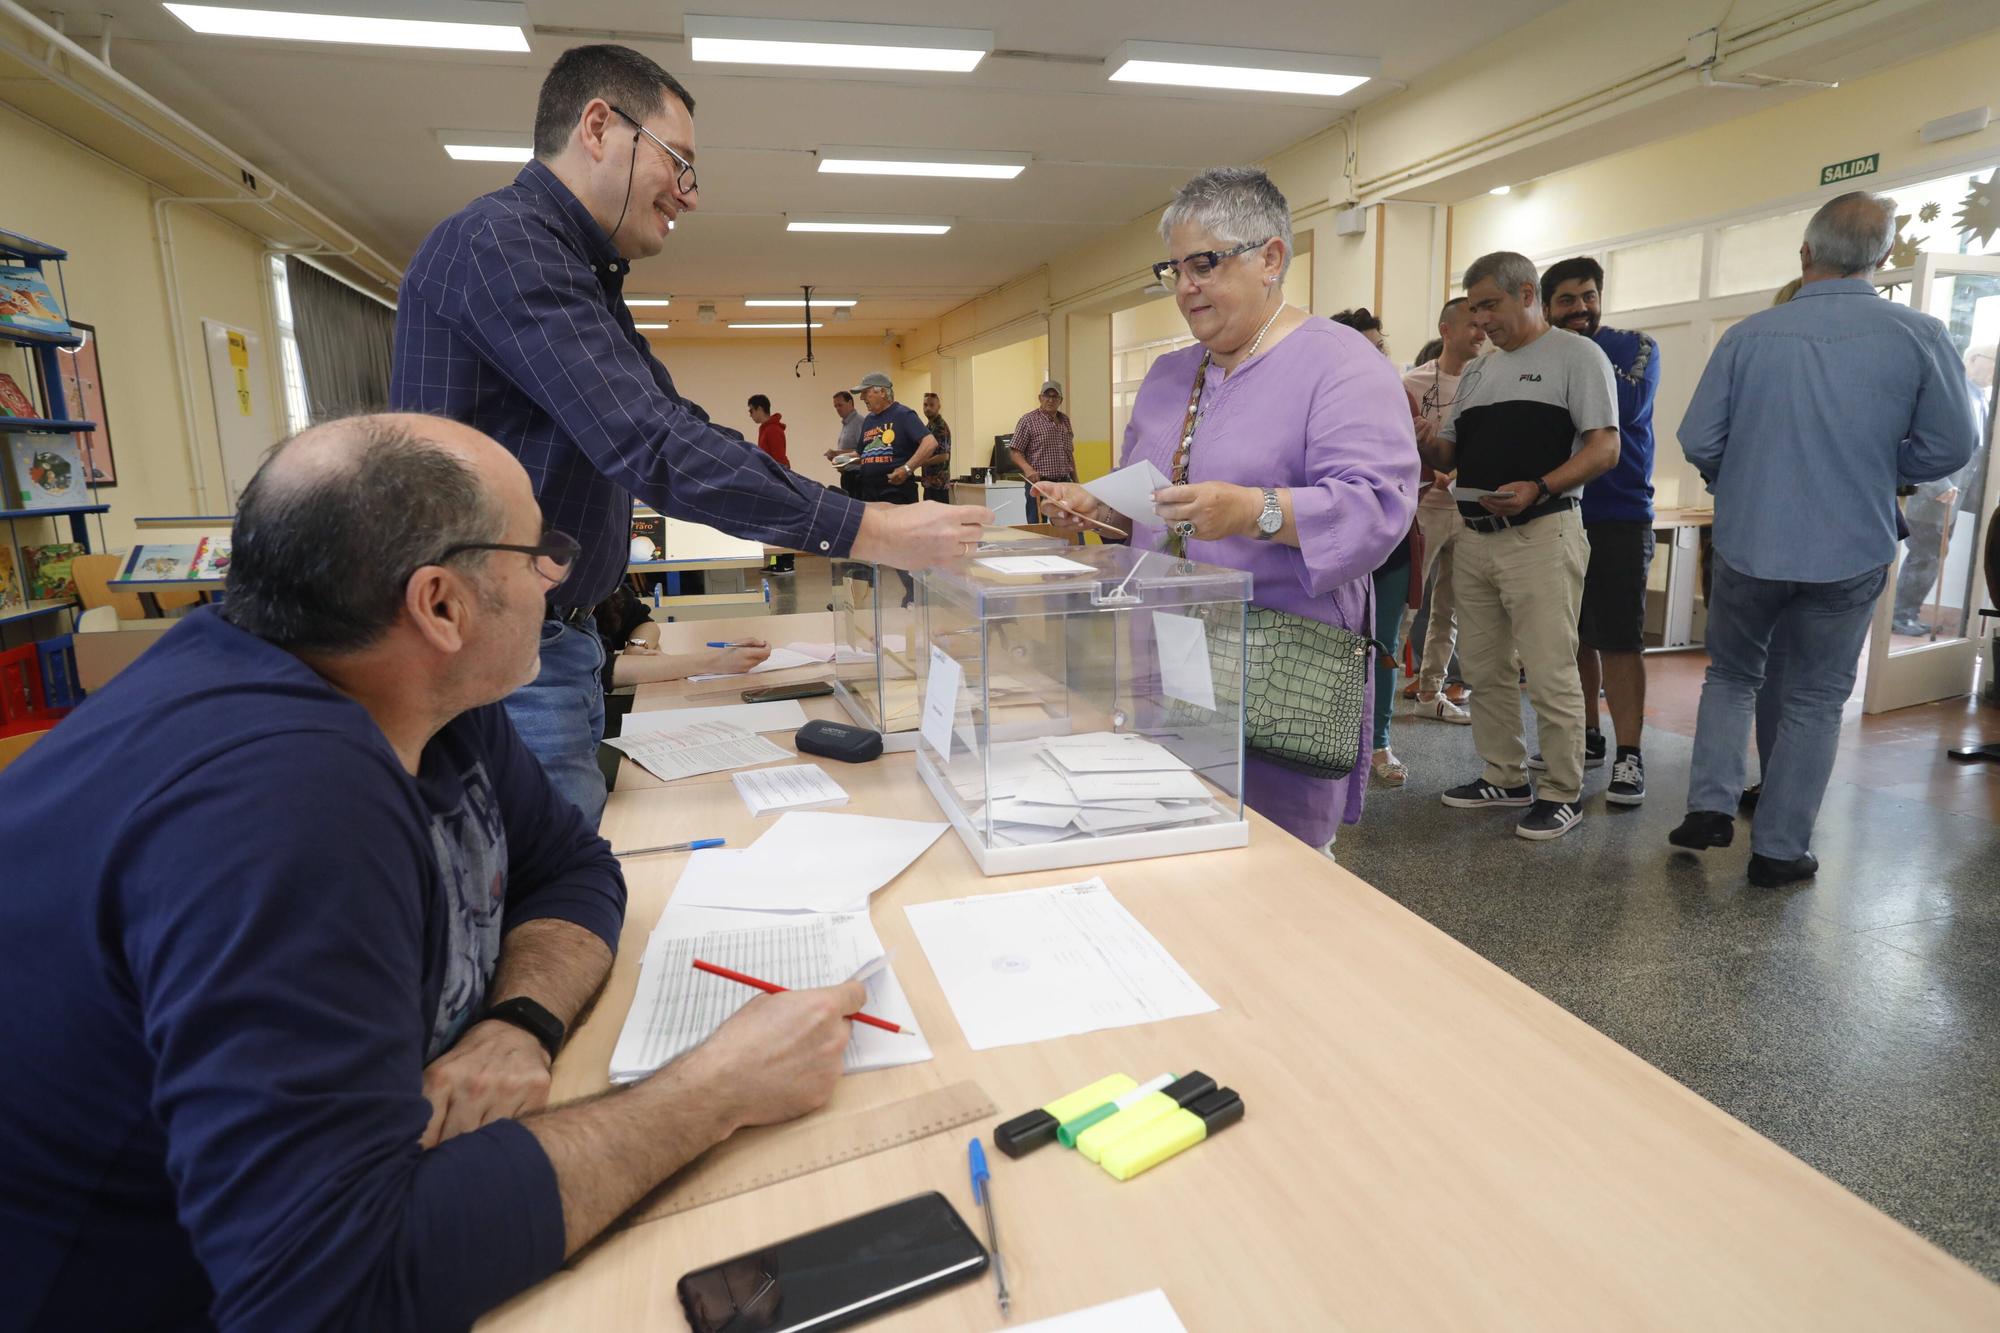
{"x": 694, "y": 846}
{"x": 773, "y": 988}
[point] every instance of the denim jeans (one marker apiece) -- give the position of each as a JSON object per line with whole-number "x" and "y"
{"x": 560, "y": 716}
{"x": 1821, "y": 627}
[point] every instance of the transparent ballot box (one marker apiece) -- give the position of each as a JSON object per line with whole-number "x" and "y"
{"x": 878, "y": 641}
{"x": 1083, "y": 706}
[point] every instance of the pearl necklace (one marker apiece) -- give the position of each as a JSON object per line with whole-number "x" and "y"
{"x": 1258, "y": 341}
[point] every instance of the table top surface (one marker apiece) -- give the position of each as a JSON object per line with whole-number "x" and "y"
{"x": 1428, "y": 1143}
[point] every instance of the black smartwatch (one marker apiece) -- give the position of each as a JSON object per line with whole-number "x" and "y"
{"x": 1543, "y": 482}
{"x": 532, "y": 1019}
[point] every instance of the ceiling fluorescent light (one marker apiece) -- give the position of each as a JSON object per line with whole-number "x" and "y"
{"x": 485, "y": 145}
{"x": 873, "y": 46}
{"x": 873, "y": 226}
{"x": 941, "y": 162}
{"x": 814, "y": 325}
{"x": 458, "y": 25}
{"x": 652, "y": 326}
{"x": 1240, "y": 68}
{"x": 1501, "y": 189}
{"x": 830, "y": 302}
{"x": 636, "y": 301}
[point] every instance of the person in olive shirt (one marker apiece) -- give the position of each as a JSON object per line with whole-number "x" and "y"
{"x": 937, "y": 471}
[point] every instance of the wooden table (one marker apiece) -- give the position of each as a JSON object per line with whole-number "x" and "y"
{"x": 1428, "y": 1144}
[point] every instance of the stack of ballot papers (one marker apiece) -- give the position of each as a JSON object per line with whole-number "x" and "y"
{"x": 794, "y": 787}
{"x": 782, "y": 715}
{"x": 809, "y": 861}
{"x": 678, "y": 1007}
{"x": 1057, "y": 787}
{"x": 702, "y": 747}
{"x": 781, "y": 659}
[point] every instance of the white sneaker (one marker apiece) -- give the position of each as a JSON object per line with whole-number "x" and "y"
{"x": 1446, "y": 711}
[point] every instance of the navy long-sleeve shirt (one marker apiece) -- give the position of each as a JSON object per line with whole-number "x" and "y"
{"x": 512, "y": 319}
{"x": 233, "y": 930}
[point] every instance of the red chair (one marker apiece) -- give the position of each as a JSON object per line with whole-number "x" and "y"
{"x": 22, "y": 704}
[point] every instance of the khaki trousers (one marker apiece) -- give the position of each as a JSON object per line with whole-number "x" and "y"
{"x": 1442, "y": 529}
{"x": 1517, "y": 592}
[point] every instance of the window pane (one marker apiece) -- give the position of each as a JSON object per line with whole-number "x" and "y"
{"x": 1758, "y": 256}
{"x": 1657, "y": 273}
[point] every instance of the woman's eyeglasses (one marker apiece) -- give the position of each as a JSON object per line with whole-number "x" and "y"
{"x": 684, "y": 179}
{"x": 553, "y": 556}
{"x": 1200, "y": 265}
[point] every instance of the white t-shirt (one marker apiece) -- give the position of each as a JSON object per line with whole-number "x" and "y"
{"x": 1435, "y": 392}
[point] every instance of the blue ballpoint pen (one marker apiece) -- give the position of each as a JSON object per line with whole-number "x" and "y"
{"x": 694, "y": 846}
{"x": 982, "y": 1194}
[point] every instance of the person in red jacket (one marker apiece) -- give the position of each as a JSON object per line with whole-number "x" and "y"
{"x": 770, "y": 428}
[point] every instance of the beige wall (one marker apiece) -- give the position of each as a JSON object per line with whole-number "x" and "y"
{"x": 1006, "y": 382}
{"x": 103, "y": 215}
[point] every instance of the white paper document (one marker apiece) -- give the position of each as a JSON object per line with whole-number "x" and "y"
{"x": 1095, "y": 787}
{"x": 809, "y": 861}
{"x": 1148, "y": 1312}
{"x": 781, "y": 659}
{"x": 1469, "y": 493}
{"x": 1108, "y": 752}
{"x": 1053, "y": 962}
{"x": 1129, "y": 490}
{"x": 706, "y": 747}
{"x": 1035, "y": 564}
{"x": 677, "y": 1006}
{"x": 1182, "y": 642}
{"x": 784, "y": 715}
{"x": 794, "y": 787}
{"x": 941, "y": 700}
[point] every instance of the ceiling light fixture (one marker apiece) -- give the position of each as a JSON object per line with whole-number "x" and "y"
{"x": 652, "y": 326}
{"x": 637, "y": 301}
{"x": 831, "y": 302}
{"x": 455, "y": 25}
{"x": 1240, "y": 68}
{"x": 875, "y": 46}
{"x": 485, "y": 145}
{"x": 1501, "y": 189}
{"x": 757, "y": 325}
{"x": 873, "y": 226}
{"x": 955, "y": 163}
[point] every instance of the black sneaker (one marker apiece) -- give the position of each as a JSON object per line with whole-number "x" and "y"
{"x": 1593, "y": 753}
{"x": 1748, "y": 801}
{"x": 1472, "y": 795}
{"x": 1770, "y": 873}
{"x": 1703, "y": 829}
{"x": 1628, "y": 780}
{"x": 1549, "y": 819}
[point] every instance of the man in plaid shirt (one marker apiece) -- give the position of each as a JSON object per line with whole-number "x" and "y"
{"x": 512, "y": 319}
{"x": 1044, "y": 446}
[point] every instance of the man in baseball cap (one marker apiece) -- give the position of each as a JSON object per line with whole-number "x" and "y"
{"x": 895, "y": 442}
{"x": 1044, "y": 445}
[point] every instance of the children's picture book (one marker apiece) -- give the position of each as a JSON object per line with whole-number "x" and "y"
{"x": 50, "y": 578}
{"x": 649, "y": 537}
{"x": 45, "y": 472}
{"x": 27, "y": 303}
{"x": 211, "y": 559}
{"x": 13, "y": 402}
{"x": 157, "y": 562}
{"x": 11, "y": 596}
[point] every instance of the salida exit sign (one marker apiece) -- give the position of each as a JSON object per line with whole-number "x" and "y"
{"x": 1848, "y": 170}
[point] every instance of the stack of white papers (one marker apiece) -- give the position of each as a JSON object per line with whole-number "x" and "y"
{"x": 1035, "y": 564}
{"x": 795, "y": 787}
{"x": 781, "y": 659}
{"x": 784, "y": 715}
{"x": 809, "y": 861}
{"x": 705, "y": 747}
{"x": 1042, "y": 963}
{"x": 1090, "y": 785}
{"x": 678, "y": 1007}
{"x": 1148, "y": 1312}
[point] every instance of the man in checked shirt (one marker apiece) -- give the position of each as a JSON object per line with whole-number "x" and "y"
{"x": 512, "y": 319}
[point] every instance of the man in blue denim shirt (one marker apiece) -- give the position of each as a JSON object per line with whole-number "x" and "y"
{"x": 512, "y": 319}
{"x": 1807, "y": 418}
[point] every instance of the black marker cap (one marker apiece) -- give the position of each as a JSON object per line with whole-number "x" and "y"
{"x": 1025, "y": 1133}
{"x": 1188, "y": 1087}
{"x": 1218, "y": 1110}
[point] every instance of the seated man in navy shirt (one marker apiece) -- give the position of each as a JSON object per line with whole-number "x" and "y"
{"x": 276, "y": 1001}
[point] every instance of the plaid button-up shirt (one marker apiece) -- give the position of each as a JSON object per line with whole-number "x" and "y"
{"x": 1047, "y": 443}
{"x": 512, "y": 319}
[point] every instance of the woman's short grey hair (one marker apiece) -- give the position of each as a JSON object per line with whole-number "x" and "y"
{"x": 1237, "y": 205}
{"x": 1852, "y": 233}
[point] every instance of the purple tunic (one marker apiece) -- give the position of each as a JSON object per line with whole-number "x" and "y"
{"x": 1324, "y": 414}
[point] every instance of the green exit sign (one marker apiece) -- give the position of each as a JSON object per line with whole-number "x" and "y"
{"x": 1848, "y": 170}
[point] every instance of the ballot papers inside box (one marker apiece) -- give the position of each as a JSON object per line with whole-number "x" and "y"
{"x": 879, "y": 641}
{"x": 1082, "y": 707}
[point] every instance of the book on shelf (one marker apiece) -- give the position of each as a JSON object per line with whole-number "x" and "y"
{"x": 211, "y": 559}
{"x": 12, "y": 598}
{"x": 27, "y": 303}
{"x": 649, "y": 537}
{"x": 155, "y": 562}
{"x": 13, "y": 402}
{"x": 51, "y": 575}
{"x": 44, "y": 472}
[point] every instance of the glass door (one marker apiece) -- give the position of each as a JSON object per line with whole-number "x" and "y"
{"x": 1922, "y": 646}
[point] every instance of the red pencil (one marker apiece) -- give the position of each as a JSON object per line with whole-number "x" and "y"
{"x": 772, "y": 988}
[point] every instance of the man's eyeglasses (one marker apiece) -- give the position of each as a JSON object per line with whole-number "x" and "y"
{"x": 1200, "y": 265}
{"x": 553, "y": 556}
{"x": 684, "y": 179}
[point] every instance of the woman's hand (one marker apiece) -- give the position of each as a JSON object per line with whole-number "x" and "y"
{"x": 1218, "y": 509}
{"x": 1068, "y": 507}
{"x": 735, "y": 661}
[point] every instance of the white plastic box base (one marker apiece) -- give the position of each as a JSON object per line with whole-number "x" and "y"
{"x": 893, "y": 742}
{"x": 1078, "y": 851}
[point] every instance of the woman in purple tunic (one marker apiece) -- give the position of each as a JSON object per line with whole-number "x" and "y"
{"x": 1302, "y": 468}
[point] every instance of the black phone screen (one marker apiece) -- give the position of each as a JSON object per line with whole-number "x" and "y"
{"x": 839, "y": 1275}
{"x": 805, "y": 689}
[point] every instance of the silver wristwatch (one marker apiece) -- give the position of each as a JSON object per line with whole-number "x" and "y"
{"x": 1272, "y": 518}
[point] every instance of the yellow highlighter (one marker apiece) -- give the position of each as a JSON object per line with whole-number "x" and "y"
{"x": 1093, "y": 1141}
{"x": 1173, "y": 1132}
{"x": 1025, "y": 1133}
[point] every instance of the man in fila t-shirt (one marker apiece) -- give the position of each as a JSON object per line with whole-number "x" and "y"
{"x": 1532, "y": 422}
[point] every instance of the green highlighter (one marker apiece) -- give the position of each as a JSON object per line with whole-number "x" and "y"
{"x": 1093, "y": 1142}
{"x": 1067, "y": 1132}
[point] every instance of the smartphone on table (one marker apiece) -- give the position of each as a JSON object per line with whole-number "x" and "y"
{"x": 805, "y": 689}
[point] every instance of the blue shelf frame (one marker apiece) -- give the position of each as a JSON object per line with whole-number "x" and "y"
{"x": 42, "y": 426}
